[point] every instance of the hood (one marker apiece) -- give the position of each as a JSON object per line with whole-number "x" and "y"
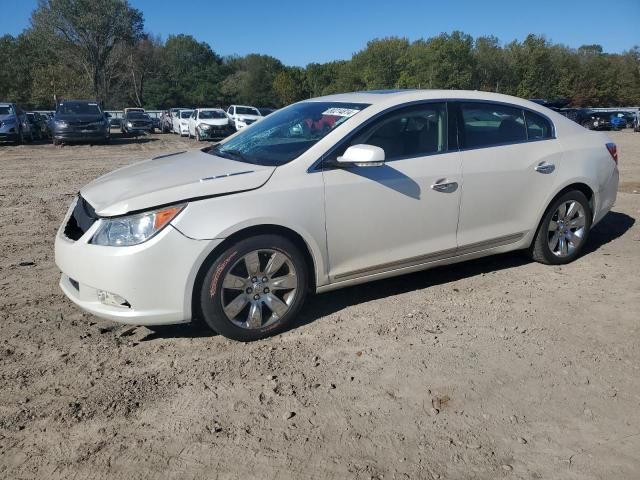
{"x": 169, "y": 179}
{"x": 79, "y": 118}
{"x": 7, "y": 117}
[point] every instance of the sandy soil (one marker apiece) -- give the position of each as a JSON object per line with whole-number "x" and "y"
{"x": 498, "y": 368}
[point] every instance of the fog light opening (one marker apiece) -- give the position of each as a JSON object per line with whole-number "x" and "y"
{"x": 112, "y": 299}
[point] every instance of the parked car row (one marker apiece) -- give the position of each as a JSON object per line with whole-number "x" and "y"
{"x": 19, "y": 126}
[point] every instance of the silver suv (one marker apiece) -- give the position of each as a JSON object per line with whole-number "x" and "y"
{"x": 14, "y": 126}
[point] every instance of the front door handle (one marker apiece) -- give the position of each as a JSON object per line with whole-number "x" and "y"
{"x": 544, "y": 167}
{"x": 445, "y": 187}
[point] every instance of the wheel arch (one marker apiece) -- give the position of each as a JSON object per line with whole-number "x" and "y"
{"x": 581, "y": 186}
{"x": 247, "y": 232}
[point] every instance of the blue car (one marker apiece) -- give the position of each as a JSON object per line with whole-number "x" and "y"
{"x": 618, "y": 121}
{"x": 14, "y": 125}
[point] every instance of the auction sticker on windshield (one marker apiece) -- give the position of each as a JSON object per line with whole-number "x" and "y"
{"x": 340, "y": 112}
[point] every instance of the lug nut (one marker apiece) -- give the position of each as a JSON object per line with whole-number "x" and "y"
{"x": 266, "y": 290}
{"x": 249, "y": 290}
{"x": 265, "y": 279}
{"x": 254, "y": 279}
{"x": 256, "y": 297}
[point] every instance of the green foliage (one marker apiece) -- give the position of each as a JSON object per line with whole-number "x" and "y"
{"x": 88, "y": 48}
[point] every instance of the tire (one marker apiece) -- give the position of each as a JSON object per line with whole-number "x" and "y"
{"x": 198, "y": 136}
{"x": 541, "y": 249}
{"x": 253, "y": 295}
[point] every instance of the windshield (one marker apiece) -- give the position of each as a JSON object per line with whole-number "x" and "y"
{"x": 287, "y": 133}
{"x": 247, "y": 111}
{"x": 137, "y": 116}
{"x": 6, "y": 110}
{"x": 73, "y": 108}
{"x": 209, "y": 114}
{"x": 186, "y": 113}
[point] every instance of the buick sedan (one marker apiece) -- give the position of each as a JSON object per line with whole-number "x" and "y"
{"x": 328, "y": 193}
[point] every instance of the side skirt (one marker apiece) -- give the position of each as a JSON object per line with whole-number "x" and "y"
{"x": 422, "y": 262}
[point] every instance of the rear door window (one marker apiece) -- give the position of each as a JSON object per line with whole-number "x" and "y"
{"x": 489, "y": 124}
{"x": 538, "y": 127}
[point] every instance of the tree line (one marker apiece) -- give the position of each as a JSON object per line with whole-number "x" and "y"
{"x": 100, "y": 49}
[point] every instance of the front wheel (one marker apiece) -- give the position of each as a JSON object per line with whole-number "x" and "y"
{"x": 255, "y": 288}
{"x": 564, "y": 230}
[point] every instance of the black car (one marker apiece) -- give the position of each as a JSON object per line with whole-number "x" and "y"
{"x": 594, "y": 120}
{"x": 264, "y": 111}
{"x": 135, "y": 123}
{"x": 79, "y": 121}
{"x": 39, "y": 127}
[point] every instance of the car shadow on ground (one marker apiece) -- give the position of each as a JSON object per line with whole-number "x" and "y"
{"x": 613, "y": 226}
{"x": 120, "y": 139}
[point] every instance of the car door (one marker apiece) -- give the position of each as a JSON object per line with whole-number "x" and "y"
{"x": 510, "y": 161}
{"x": 400, "y": 214}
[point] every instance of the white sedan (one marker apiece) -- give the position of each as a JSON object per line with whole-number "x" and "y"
{"x": 327, "y": 193}
{"x": 210, "y": 124}
{"x": 181, "y": 122}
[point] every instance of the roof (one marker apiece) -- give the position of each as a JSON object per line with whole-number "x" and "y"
{"x": 384, "y": 97}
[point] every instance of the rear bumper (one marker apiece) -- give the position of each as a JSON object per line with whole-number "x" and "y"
{"x": 606, "y": 197}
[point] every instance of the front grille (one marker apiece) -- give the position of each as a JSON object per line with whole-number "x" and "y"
{"x": 140, "y": 124}
{"x": 81, "y": 219}
{"x": 249, "y": 121}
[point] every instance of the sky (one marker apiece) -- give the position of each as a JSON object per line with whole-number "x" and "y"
{"x": 301, "y": 32}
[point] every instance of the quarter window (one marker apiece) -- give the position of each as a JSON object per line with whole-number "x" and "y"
{"x": 487, "y": 124}
{"x": 409, "y": 132}
{"x": 538, "y": 127}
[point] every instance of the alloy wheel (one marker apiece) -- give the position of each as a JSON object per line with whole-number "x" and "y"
{"x": 567, "y": 228}
{"x": 259, "y": 289}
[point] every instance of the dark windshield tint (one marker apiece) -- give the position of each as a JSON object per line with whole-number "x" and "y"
{"x": 209, "y": 114}
{"x": 286, "y": 134}
{"x": 6, "y": 110}
{"x": 186, "y": 113}
{"x": 77, "y": 108}
{"x": 247, "y": 111}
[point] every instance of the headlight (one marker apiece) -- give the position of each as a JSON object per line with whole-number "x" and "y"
{"x": 129, "y": 124}
{"x": 204, "y": 126}
{"x": 60, "y": 123}
{"x": 134, "y": 229}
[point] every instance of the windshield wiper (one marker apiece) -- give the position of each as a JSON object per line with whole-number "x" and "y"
{"x": 234, "y": 155}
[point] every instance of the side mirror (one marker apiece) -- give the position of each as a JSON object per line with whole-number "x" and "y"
{"x": 362, "y": 156}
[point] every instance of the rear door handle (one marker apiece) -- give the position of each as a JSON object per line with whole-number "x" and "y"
{"x": 544, "y": 167}
{"x": 445, "y": 187}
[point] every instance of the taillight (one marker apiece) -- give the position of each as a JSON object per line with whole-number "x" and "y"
{"x": 613, "y": 150}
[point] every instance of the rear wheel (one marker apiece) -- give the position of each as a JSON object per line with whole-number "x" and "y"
{"x": 564, "y": 230}
{"x": 255, "y": 288}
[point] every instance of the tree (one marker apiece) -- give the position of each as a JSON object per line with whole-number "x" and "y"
{"x": 89, "y": 32}
{"x": 381, "y": 64}
{"x": 290, "y": 86}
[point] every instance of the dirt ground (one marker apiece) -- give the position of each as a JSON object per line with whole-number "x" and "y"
{"x": 498, "y": 368}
